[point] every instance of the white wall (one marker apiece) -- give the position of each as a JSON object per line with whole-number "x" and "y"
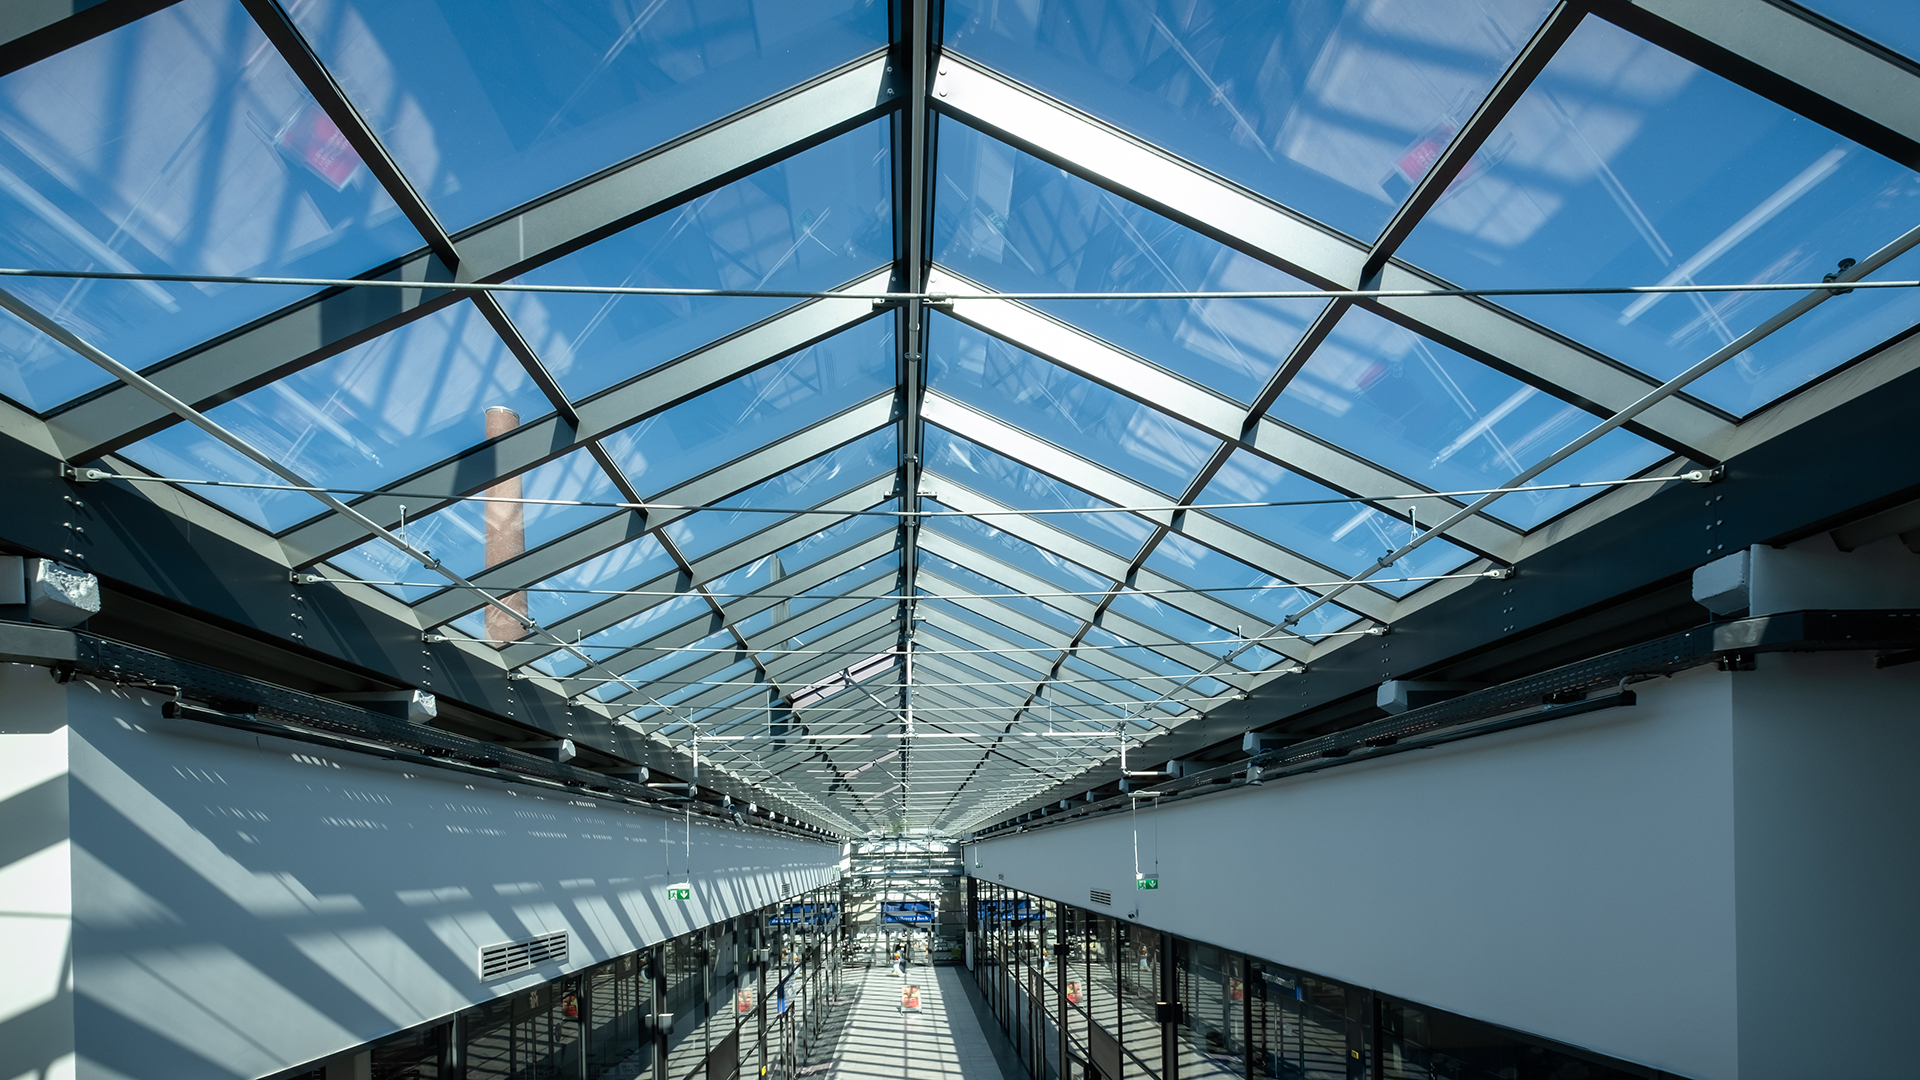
{"x": 36, "y": 1004}
{"x": 1827, "y": 756}
{"x": 1573, "y": 879}
{"x": 244, "y": 904}
{"x": 1722, "y": 882}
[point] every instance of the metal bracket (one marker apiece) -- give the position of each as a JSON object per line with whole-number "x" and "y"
{"x": 82, "y": 476}
{"x": 1705, "y": 476}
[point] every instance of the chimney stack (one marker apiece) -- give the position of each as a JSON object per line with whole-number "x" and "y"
{"x": 506, "y": 531}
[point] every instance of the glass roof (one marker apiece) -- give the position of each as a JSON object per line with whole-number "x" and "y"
{"x": 179, "y": 143}
{"x": 487, "y": 104}
{"x": 1099, "y": 514}
{"x": 1625, "y": 163}
{"x": 1335, "y": 109}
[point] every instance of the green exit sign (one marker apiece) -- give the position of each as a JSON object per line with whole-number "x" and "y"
{"x": 679, "y": 892}
{"x": 1146, "y": 883}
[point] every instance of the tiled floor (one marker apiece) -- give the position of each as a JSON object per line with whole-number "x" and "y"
{"x": 940, "y": 1041}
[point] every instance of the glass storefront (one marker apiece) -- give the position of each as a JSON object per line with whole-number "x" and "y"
{"x": 1125, "y": 1002}
{"x": 745, "y": 998}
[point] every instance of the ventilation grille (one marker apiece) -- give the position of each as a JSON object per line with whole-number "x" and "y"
{"x": 499, "y": 960}
{"x": 1104, "y": 899}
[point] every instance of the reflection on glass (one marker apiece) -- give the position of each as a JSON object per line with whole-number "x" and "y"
{"x": 813, "y": 221}
{"x": 625, "y": 567}
{"x": 806, "y": 485}
{"x": 179, "y": 143}
{"x": 1336, "y": 109}
{"x": 633, "y": 630}
{"x": 486, "y": 104}
{"x": 39, "y": 372}
{"x": 368, "y": 416}
{"x": 1448, "y": 422}
{"x": 1266, "y": 599}
{"x": 1347, "y": 537}
{"x": 771, "y": 572}
{"x": 1076, "y": 414}
{"x": 1626, "y": 165}
{"x": 951, "y": 458}
{"x": 872, "y": 578}
{"x": 457, "y": 535}
{"x": 984, "y": 536}
{"x": 1016, "y": 224}
{"x": 1160, "y": 614}
{"x": 1122, "y": 655}
{"x": 757, "y": 409}
{"x": 966, "y": 581}
{"x": 646, "y": 663}
{"x": 962, "y": 643}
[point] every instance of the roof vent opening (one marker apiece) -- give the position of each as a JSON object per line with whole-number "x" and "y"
{"x": 498, "y": 961}
{"x": 1101, "y": 897}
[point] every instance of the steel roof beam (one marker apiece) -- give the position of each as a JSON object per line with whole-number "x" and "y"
{"x": 659, "y": 180}
{"x": 540, "y": 441}
{"x": 1151, "y": 640}
{"x": 31, "y": 32}
{"x": 563, "y": 553}
{"x": 1219, "y": 416}
{"x": 1105, "y": 484}
{"x": 618, "y": 609}
{"x": 1794, "y": 58}
{"x": 1319, "y": 256}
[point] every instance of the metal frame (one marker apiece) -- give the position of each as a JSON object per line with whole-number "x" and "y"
{"x": 1798, "y": 60}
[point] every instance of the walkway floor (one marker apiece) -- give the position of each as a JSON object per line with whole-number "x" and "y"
{"x": 941, "y": 1041}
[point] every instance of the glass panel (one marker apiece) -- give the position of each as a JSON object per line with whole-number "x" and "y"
{"x": 489, "y": 103}
{"x": 996, "y": 634}
{"x": 38, "y": 372}
{"x": 1333, "y": 108}
{"x": 1188, "y": 629}
{"x": 1345, "y": 536}
{"x": 179, "y": 143}
{"x": 818, "y": 219}
{"x": 983, "y": 536}
{"x": 1011, "y": 484}
{"x": 1266, "y": 599}
{"x": 955, "y": 639}
{"x": 1139, "y": 971}
{"x": 1889, "y": 22}
{"x": 806, "y": 485}
{"x": 1052, "y": 402}
{"x": 1018, "y": 224}
{"x": 1119, "y": 695}
{"x": 1626, "y": 165}
{"x": 457, "y": 536}
{"x": 1119, "y": 655}
{"x": 967, "y": 581}
{"x": 793, "y": 558}
{"x": 1212, "y": 1031}
{"x": 645, "y": 664}
{"x": 757, "y": 409}
{"x": 1443, "y": 420}
{"x": 1422, "y": 1043}
{"x": 628, "y": 632}
{"x": 364, "y": 418}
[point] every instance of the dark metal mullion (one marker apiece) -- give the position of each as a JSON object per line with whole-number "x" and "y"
{"x": 911, "y": 63}
{"x": 1506, "y": 93}
{"x": 307, "y": 67}
{"x": 28, "y": 36}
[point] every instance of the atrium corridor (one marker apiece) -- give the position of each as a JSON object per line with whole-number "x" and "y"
{"x": 879, "y": 1040}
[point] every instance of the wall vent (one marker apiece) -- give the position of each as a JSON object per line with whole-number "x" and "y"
{"x": 497, "y": 961}
{"x": 1101, "y": 897}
